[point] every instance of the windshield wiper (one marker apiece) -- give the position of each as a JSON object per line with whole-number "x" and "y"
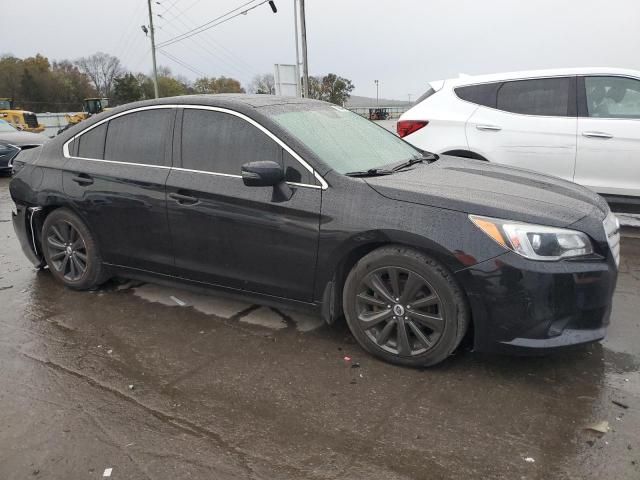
{"x": 432, "y": 157}
{"x": 372, "y": 172}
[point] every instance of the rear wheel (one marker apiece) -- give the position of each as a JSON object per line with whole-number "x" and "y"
{"x": 405, "y": 307}
{"x": 71, "y": 251}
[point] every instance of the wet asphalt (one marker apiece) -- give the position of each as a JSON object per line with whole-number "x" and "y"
{"x": 162, "y": 383}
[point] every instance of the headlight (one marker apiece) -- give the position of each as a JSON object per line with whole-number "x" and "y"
{"x": 537, "y": 242}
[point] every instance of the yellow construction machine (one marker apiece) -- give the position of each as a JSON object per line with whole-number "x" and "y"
{"x": 19, "y": 118}
{"x": 90, "y": 106}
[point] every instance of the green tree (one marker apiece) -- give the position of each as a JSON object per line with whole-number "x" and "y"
{"x": 36, "y": 84}
{"x": 127, "y": 88}
{"x": 168, "y": 85}
{"x": 330, "y": 88}
{"x": 336, "y": 89}
{"x": 70, "y": 86}
{"x": 208, "y": 85}
{"x": 10, "y": 76}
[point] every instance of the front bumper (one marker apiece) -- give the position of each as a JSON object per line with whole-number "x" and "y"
{"x": 25, "y": 224}
{"x": 524, "y": 306}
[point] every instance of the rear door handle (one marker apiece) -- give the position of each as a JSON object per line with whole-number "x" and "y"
{"x": 489, "y": 128}
{"x": 184, "y": 199}
{"x": 82, "y": 179}
{"x": 602, "y": 135}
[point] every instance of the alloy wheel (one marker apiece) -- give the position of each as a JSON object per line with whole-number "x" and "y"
{"x": 400, "y": 311}
{"x": 67, "y": 250}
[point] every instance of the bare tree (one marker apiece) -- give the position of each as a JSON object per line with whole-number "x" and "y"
{"x": 263, "y": 84}
{"x": 102, "y": 69}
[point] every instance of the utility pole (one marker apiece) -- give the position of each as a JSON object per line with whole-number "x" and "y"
{"x": 305, "y": 61}
{"x": 377, "y": 82}
{"x": 295, "y": 15}
{"x": 153, "y": 51}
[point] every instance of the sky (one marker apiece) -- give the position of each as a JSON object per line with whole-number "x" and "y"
{"x": 401, "y": 43}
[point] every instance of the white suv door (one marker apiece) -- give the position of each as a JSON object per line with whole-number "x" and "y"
{"x": 609, "y": 135}
{"x": 528, "y": 123}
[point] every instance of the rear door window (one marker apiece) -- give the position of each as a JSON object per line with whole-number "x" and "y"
{"x": 543, "y": 96}
{"x": 219, "y": 142}
{"x": 140, "y": 137}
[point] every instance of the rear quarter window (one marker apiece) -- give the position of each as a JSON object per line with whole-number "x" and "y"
{"x": 91, "y": 144}
{"x": 484, "y": 94}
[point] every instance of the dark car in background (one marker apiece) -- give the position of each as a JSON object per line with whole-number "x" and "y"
{"x": 12, "y": 141}
{"x": 301, "y": 202}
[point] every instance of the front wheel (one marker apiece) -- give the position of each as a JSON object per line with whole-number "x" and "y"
{"x": 405, "y": 307}
{"x": 71, "y": 251}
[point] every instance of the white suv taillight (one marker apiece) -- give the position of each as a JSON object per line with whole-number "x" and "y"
{"x": 407, "y": 127}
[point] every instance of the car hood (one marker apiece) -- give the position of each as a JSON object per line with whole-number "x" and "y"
{"x": 23, "y": 138}
{"x": 483, "y": 188}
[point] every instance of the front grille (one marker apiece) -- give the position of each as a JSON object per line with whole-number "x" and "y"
{"x": 31, "y": 120}
{"x": 612, "y": 230}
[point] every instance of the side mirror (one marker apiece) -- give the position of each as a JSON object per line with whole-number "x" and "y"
{"x": 262, "y": 174}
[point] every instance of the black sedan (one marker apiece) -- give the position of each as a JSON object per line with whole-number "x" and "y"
{"x": 302, "y": 202}
{"x": 12, "y": 141}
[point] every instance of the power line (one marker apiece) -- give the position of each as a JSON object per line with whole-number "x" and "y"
{"x": 210, "y": 21}
{"x": 184, "y": 64}
{"x": 169, "y": 7}
{"x": 229, "y": 61}
{"x": 210, "y": 24}
{"x": 215, "y": 45}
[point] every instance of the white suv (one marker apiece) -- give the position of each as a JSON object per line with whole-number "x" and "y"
{"x": 581, "y": 124}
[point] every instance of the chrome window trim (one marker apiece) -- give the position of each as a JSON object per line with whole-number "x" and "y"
{"x": 323, "y": 184}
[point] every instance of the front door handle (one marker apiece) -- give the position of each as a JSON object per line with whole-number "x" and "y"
{"x": 184, "y": 199}
{"x": 602, "y": 135}
{"x": 82, "y": 179}
{"x": 489, "y": 128}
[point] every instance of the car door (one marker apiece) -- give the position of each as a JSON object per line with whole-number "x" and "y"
{"x": 529, "y": 124}
{"x": 609, "y": 135}
{"x": 115, "y": 178}
{"x": 228, "y": 234}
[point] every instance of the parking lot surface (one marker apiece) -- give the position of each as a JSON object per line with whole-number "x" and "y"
{"x": 162, "y": 383}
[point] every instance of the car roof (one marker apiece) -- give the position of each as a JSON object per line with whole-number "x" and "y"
{"x": 474, "y": 79}
{"x": 226, "y": 100}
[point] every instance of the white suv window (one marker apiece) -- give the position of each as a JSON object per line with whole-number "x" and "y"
{"x": 612, "y": 97}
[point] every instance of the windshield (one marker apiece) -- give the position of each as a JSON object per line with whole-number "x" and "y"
{"x": 5, "y": 127}
{"x": 5, "y": 105}
{"x": 343, "y": 140}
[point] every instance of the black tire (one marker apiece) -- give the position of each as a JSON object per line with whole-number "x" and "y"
{"x": 70, "y": 251}
{"x": 435, "y": 325}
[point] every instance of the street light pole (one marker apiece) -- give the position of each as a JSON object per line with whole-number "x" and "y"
{"x": 305, "y": 61}
{"x": 153, "y": 50}
{"x": 377, "y": 92}
{"x": 295, "y": 15}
